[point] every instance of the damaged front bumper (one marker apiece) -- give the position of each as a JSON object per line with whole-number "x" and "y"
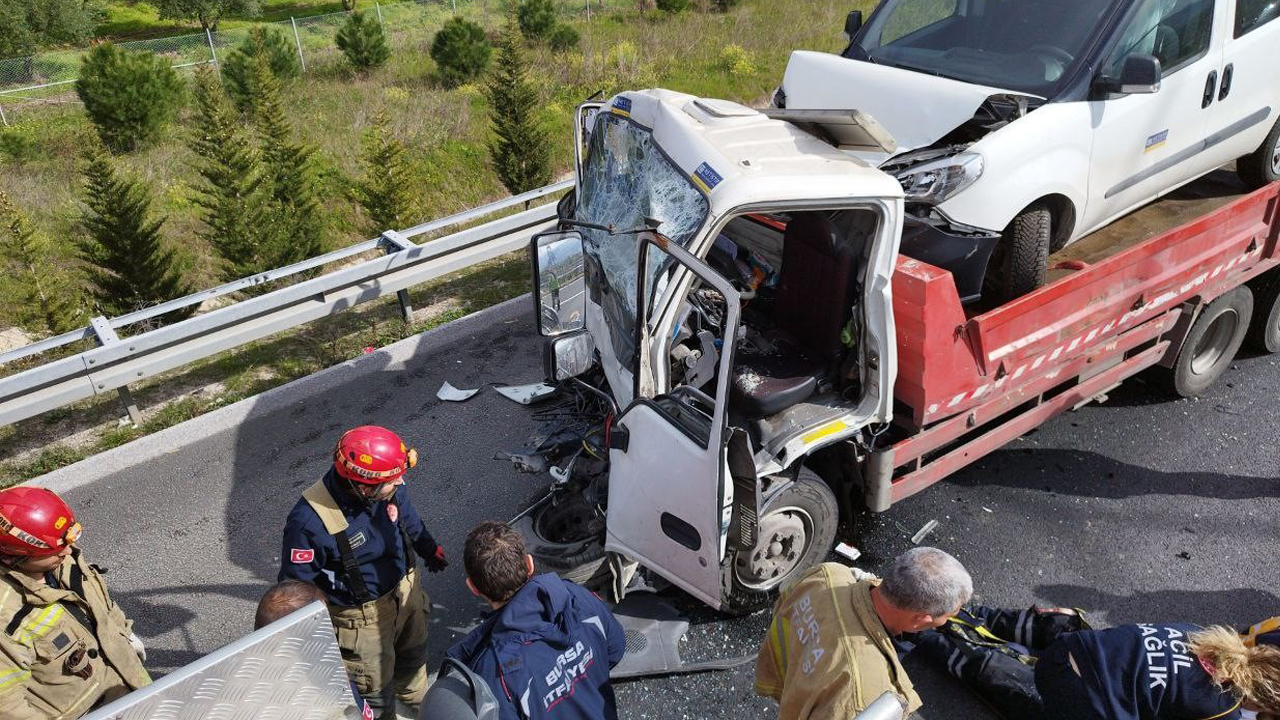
{"x": 961, "y": 250}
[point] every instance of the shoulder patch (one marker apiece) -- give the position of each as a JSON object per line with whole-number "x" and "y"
{"x": 301, "y": 556}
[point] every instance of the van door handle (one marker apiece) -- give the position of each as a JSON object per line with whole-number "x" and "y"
{"x": 1210, "y": 89}
{"x": 1227, "y": 73}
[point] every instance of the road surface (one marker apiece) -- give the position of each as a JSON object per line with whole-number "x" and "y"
{"x": 1142, "y": 508}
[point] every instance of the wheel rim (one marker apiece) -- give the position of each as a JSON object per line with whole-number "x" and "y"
{"x": 783, "y": 539}
{"x": 1214, "y": 343}
{"x": 1275, "y": 158}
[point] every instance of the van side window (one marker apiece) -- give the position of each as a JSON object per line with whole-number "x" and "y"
{"x": 1253, "y": 14}
{"x": 1175, "y": 31}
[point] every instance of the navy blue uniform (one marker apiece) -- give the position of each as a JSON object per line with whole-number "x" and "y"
{"x": 310, "y": 552}
{"x": 547, "y": 653}
{"x": 1146, "y": 672}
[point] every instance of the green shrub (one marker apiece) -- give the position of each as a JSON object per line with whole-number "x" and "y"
{"x": 128, "y": 96}
{"x": 461, "y": 51}
{"x": 672, "y": 6}
{"x": 361, "y": 39}
{"x": 17, "y": 144}
{"x": 537, "y": 18}
{"x": 563, "y": 38}
{"x": 237, "y": 68}
{"x": 736, "y": 61}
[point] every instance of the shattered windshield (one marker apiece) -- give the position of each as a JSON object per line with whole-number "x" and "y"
{"x": 1022, "y": 45}
{"x": 625, "y": 179}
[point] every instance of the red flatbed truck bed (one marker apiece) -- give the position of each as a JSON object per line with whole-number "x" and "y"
{"x": 967, "y": 385}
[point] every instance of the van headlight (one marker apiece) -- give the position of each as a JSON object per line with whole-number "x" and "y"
{"x": 936, "y": 181}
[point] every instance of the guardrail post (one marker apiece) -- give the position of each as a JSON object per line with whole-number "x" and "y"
{"x": 394, "y": 242}
{"x": 106, "y": 336}
{"x": 297, "y": 41}
{"x": 212, "y": 52}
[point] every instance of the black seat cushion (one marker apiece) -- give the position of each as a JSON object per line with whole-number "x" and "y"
{"x": 771, "y": 374}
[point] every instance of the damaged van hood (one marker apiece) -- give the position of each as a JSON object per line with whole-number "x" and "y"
{"x": 918, "y": 109}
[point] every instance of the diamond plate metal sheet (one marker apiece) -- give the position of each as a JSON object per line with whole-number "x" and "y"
{"x": 289, "y": 670}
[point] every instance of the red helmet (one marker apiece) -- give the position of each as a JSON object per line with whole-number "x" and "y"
{"x": 35, "y": 522}
{"x": 372, "y": 455}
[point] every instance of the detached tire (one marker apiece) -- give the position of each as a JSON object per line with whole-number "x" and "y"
{"x": 797, "y": 526}
{"x": 1264, "y": 331}
{"x": 1018, "y": 265}
{"x": 560, "y": 544}
{"x": 1212, "y": 343}
{"x": 1262, "y": 166}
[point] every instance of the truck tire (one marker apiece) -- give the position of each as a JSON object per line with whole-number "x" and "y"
{"x": 1018, "y": 265}
{"x": 1262, "y": 166}
{"x": 797, "y": 526}
{"x": 1212, "y": 342}
{"x": 1264, "y": 331}
{"x": 555, "y": 547}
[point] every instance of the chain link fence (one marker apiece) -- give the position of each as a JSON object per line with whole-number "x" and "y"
{"x": 49, "y": 78}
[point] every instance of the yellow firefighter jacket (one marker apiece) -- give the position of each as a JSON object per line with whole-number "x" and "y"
{"x": 53, "y": 663}
{"x": 827, "y": 655}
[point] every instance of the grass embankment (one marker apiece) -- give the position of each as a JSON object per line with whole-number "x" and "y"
{"x": 740, "y": 56}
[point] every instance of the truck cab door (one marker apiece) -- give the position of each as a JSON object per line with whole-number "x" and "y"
{"x": 667, "y": 476}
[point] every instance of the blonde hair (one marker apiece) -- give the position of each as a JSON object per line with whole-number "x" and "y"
{"x": 1251, "y": 672}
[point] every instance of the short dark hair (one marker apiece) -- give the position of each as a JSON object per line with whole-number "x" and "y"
{"x": 494, "y": 560}
{"x": 283, "y": 598}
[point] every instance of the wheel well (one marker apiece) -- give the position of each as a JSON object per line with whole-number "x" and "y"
{"x": 1063, "y": 213}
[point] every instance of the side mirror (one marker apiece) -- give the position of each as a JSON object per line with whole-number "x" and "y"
{"x": 852, "y": 24}
{"x": 569, "y": 356}
{"x": 560, "y": 291}
{"x": 1140, "y": 75}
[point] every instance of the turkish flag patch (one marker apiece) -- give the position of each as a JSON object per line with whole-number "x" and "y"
{"x": 367, "y": 712}
{"x": 301, "y": 556}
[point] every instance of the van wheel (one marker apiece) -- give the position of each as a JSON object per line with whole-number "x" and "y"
{"x": 796, "y": 528}
{"x": 1262, "y": 166}
{"x": 1017, "y": 267}
{"x": 1264, "y": 331}
{"x": 1212, "y": 343}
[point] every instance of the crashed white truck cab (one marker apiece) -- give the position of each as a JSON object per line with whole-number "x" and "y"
{"x": 730, "y": 273}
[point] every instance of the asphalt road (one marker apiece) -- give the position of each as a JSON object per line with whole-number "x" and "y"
{"x": 1142, "y": 508}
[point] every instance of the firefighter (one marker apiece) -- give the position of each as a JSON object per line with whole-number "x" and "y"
{"x": 66, "y": 647}
{"x": 357, "y": 537}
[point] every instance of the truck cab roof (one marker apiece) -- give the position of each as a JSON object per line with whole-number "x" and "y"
{"x": 739, "y": 156}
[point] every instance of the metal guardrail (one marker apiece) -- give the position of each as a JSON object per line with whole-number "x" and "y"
{"x": 120, "y": 361}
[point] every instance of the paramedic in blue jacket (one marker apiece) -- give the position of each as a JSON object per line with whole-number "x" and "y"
{"x": 547, "y": 649}
{"x": 355, "y": 535}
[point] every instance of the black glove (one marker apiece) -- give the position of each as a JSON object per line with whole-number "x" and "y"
{"x": 436, "y": 562}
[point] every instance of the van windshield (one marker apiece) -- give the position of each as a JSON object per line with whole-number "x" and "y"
{"x": 1024, "y": 45}
{"x": 626, "y": 178}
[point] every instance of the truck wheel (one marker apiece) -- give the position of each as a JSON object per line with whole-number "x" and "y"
{"x": 797, "y": 526}
{"x": 567, "y": 539}
{"x": 1018, "y": 265}
{"x": 1264, "y": 331}
{"x": 1212, "y": 343}
{"x": 1262, "y": 166}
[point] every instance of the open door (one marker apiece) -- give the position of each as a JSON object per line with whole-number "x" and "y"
{"x": 667, "y": 477}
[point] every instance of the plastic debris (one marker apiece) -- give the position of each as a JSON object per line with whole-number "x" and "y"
{"x": 848, "y": 552}
{"x": 987, "y": 509}
{"x": 526, "y": 394}
{"x": 453, "y": 394}
{"x": 525, "y": 463}
{"x": 924, "y": 532}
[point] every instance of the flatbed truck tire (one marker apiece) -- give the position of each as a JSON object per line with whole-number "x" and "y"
{"x": 1264, "y": 331}
{"x": 804, "y": 509}
{"x": 1212, "y": 342}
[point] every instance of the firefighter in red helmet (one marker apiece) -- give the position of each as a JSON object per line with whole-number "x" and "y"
{"x": 66, "y": 647}
{"x": 356, "y": 536}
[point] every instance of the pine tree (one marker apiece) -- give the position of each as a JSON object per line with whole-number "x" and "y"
{"x": 130, "y": 267}
{"x": 43, "y": 293}
{"x": 385, "y": 192}
{"x": 361, "y": 39}
{"x": 128, "y": 95}
{"x": 238, "y": 67}
{"x": 519, "y": 151}
{"x": 235, "y": 195}
{"x": 291, "y": 172}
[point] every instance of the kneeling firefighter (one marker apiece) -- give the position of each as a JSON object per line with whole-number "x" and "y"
{"x": 356, "y": 536}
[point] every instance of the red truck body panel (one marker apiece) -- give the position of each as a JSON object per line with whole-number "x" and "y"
{"x": 949, "y": 363}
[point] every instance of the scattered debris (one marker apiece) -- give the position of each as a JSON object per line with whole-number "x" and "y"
{"x": 848, "y": 552}
{"x": 987, "y": 509}
{"x": 1184, "y": 555}
{"x": 448, "y": 392}
{"x": 924, "y": 532}
{"x": 532, "y": 463}
{"x": 526, "y": 394}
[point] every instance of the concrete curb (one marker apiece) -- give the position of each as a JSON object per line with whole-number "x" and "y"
{"x": 173, "y": 439}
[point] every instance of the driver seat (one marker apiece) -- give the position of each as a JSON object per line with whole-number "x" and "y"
{"x": 785, "y": 364}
